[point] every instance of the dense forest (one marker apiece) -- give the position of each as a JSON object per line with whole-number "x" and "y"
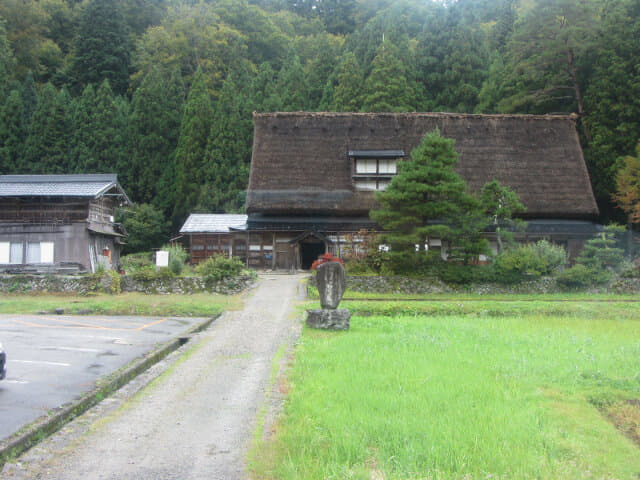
{"x": 161, "y": 92}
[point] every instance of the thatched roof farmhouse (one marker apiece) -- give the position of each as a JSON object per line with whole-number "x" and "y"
{"x": 313, "y": 178}
{"x": 302, "y": 165}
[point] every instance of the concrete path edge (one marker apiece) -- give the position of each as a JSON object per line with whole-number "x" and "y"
{"x": 55, "y": 419}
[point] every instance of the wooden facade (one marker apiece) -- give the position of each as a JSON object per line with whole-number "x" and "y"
{"x": 59, "y": 223}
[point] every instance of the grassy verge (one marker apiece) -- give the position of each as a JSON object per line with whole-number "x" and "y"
{"x": 201, "y": 304}
{"x": 525, "y": 393}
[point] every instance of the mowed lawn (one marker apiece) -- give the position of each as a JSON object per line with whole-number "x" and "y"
{"x": 464, "y": 390}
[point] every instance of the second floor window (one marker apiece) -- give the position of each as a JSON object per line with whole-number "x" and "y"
{"x": 373, "y": 169}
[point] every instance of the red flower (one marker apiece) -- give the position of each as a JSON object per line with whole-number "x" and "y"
{"x": 327, "y": 257}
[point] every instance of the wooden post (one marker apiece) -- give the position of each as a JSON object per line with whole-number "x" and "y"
{"x": 273, "y": 253}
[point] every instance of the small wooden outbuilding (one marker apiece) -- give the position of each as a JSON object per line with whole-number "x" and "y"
{"x": 60, "y": 223}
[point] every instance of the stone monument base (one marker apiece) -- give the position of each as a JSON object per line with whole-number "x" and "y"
{"x": 329, "y": 319}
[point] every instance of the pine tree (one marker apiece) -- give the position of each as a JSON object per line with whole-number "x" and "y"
{"x": 427, "y": 198}
{"x": 155, "y": 126}
{"x": 387, "y": 89}
{"x": 12, "y": 133}
{"x": 101, "y": 47}
{"x": 192, "y": 145}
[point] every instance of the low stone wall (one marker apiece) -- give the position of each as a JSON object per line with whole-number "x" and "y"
{"x": 187, "y": 285}
{"x": 83, "y": 284}
{"x": 420, "y": 286}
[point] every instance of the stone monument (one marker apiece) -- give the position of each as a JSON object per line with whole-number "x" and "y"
{"x": 331, "y": 282}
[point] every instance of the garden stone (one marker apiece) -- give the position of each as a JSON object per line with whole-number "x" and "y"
{"x": 329, "y": 319}
{"x": 332, "y": 282}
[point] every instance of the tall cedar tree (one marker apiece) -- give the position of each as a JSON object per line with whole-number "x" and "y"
{"x": 192, "y": 146}
{"x": 97, "y": 145}
{"x": 349, "y": 80}
{"x": 452, "y": 62}
{"x": 47, "y": 146}
{"x": 29, "y": 100}
{"x": 101, "y": 47}
{"x": 427, "y": 198}
{"x": 108, "y": 146}
{"x": 387, "y": 88}
{"x": 83, "y": 118}
{"x": 12, "y": 133}
{"x": 228, "y": 152}
{"x": 155, "y": 126}
{"x": 263, "y": 86}
{"x": 291, "y": 87}
{"x": 7, "y": 62}
{"x": 612, "y": 101}
{"x": 545, "y": 53}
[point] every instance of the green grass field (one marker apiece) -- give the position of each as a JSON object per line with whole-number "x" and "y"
{"x": 199, "y": 305}
{"x": 464, "y": 390}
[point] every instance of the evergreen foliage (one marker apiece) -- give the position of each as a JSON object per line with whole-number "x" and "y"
{"x": 12, "y": 133}
{"x": 489, "y": 56}
{"x": 147, "y": 227}
{"x": 47, "y": 145}
{"x": 387, "y": 89}
{"x": 191, "y": 149}
{"x": 101, "y": 48}
{"x": 349, "y": 80}
{"x": 427, "y": 198}
{"x": 157, "y": 109}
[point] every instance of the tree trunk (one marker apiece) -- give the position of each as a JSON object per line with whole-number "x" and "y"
{"x": 578, "y": 92}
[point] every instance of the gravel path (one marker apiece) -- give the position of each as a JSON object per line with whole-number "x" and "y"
{"x": 196, "y": 420}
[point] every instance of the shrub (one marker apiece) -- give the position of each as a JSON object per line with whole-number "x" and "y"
{"x": 579, "y": 276}
{"x": 358, "y": 266}
{"x": 457, "y": 274}
{"x": 116, "y": 282}
{"x": 177, "y": 257}
{"x": 144, "y": 274}
{"x": 218, "y": 267}
{"x": 630, "y": 269}
{"x": 530, "y": 260}
{"x": 135, "y": 261}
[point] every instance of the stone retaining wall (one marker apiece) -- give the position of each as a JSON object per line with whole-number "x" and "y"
{"x": 407, "y": 285}
{"x": 83, "y": 284}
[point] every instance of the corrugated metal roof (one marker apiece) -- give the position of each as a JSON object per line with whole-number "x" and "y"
{"x": 212, "y": 223}
{"x": 58, "y": 185}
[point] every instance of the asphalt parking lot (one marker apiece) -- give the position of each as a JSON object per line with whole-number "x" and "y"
{"x": 53, "y": 359}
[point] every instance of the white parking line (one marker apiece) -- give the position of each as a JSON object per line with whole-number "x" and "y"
{"x": 41, "y": 362}
{"x": 69, "y": 349}
{"x": 19, "y": 382}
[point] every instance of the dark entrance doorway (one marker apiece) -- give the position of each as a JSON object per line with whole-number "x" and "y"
{"x": 310, "y": 250}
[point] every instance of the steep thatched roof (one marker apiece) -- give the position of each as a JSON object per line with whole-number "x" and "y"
{"x": 301, "y": 163}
